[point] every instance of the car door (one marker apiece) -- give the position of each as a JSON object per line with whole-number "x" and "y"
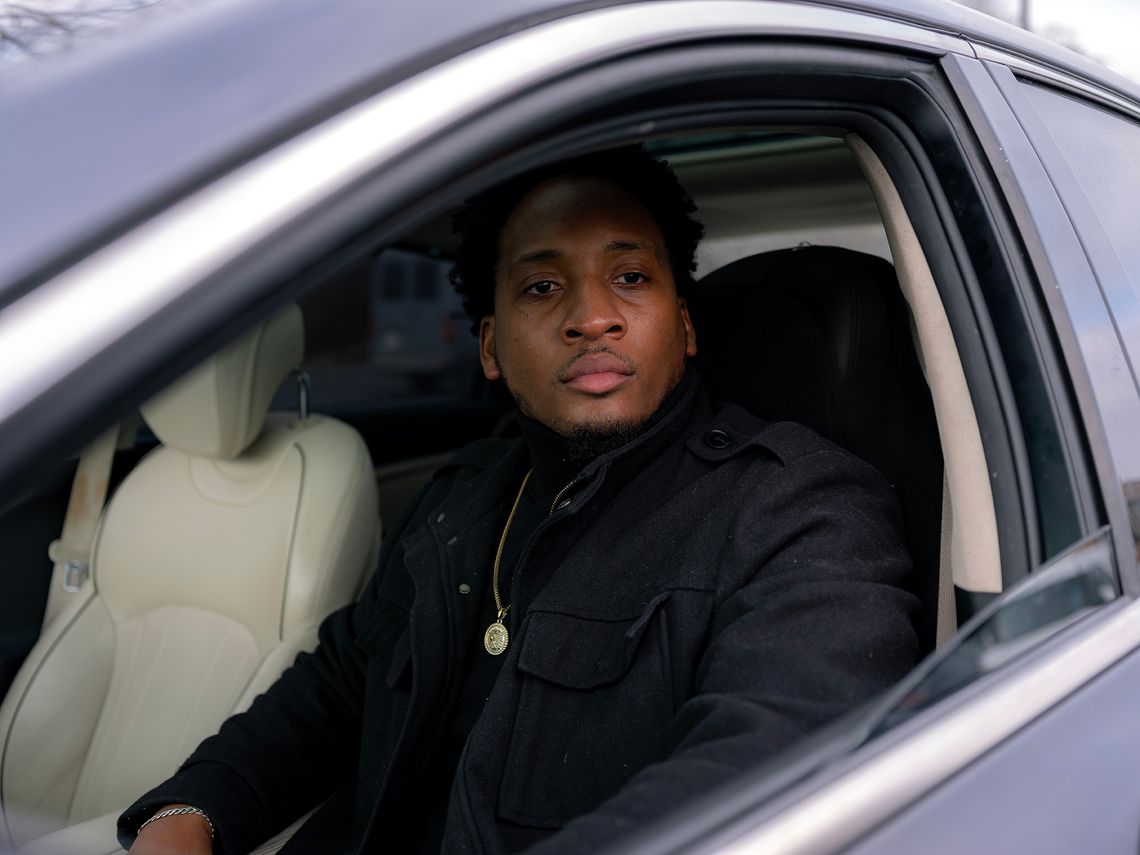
{"x": 1042, "y": 682}
{"x": 1064, "y": 783}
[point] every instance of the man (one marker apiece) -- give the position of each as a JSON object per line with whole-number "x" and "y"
{"x": 576, "y": 632}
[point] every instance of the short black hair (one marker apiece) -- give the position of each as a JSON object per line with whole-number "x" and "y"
{"x": 479, "y": 223}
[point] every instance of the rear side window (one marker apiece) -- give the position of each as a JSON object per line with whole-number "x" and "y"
{"x": 388, "y": 327}
{"x": 1096, "y": 169}
{"x": 1102, "y": 151}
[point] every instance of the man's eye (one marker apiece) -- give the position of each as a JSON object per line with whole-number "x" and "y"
{"x": 632, "y": 278}
{"x": 540, "y": 288}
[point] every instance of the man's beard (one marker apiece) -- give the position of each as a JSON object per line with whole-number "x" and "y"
{"x": 589, "y": 441}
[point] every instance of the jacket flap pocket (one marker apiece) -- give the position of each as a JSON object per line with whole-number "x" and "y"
{"x": 582, "y": 653}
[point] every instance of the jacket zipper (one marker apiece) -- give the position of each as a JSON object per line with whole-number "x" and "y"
{"x": 558, "y": 496}
{"x": 516, "y": 573}
{"x": 450, "y": 690}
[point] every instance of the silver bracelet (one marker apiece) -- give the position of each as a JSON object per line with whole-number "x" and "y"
{"x": 181, "y": 811}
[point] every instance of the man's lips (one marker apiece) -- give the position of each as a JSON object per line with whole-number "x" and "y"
{"x": 596, "y": 373}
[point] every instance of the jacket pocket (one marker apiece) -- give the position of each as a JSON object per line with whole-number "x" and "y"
{"x": 594, "y": 708}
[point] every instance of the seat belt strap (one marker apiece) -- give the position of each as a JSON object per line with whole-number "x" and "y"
{"x": 71, "y": 553}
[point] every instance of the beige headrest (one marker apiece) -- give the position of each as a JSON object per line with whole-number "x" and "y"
{"x": 218, "y": 409}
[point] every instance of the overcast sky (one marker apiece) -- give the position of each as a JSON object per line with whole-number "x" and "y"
{"x": 1106, "y": 30}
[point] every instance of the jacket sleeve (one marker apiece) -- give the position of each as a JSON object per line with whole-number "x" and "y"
{"x": 296, "y": 743}
{"x": 818, "y": 626}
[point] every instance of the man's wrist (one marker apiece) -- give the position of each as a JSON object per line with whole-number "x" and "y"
{"x": 179, "y": 810}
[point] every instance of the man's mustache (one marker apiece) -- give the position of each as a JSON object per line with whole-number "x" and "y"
{"x": 564, "y": 370}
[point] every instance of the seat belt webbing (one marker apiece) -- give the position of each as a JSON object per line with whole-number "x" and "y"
{"x": 71, "y": 553}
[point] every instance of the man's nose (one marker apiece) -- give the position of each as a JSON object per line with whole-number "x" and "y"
{"x": 593, "y": 312}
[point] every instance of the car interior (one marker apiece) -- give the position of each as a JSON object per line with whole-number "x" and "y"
{"x": 250, "y": 499}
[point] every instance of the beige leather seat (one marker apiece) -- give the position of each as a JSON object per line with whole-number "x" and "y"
{"x": 214, "y": 563}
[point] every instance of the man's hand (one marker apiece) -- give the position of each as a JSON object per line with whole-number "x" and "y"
{"x": 186, "y": 834}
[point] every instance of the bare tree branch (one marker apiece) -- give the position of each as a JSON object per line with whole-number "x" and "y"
{"x": 8, "y": 38}
{"x": 35, "y": 29}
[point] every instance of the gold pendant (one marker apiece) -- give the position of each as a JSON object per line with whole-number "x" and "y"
{"x": 496, "y": 637}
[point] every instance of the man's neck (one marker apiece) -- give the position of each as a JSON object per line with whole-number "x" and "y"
{"x": 557, "y": 459}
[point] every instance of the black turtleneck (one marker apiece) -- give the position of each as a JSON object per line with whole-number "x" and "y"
{"x": 552, "y": 461}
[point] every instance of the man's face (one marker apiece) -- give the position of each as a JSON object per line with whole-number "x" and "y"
{"x": 588, "y": 332}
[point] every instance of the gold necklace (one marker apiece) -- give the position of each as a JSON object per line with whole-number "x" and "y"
{"x": 496, "y": 638}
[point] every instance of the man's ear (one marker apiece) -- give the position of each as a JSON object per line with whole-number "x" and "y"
{"x": 487, "y": 348}
{"x": 690, "y": 333}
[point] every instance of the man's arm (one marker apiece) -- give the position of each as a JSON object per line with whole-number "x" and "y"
{"x": 180, "y": 834}
{"x": 819, "y": 628}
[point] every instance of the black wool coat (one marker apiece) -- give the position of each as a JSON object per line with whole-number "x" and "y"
{"x": 716, "y": 589}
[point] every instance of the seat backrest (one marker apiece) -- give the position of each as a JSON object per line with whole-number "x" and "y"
{"x": 821, "y": 335}
{"x": 215, "y": 561}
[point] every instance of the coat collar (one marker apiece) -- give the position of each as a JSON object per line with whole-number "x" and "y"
{"x": 712, "y": 436}
{"x": 733, "y": 430}
{"x": 550, "y": 452}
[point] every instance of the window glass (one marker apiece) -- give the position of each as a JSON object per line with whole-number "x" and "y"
{"x": 1102, "y": 150}
{"x": 1095, "y": 166}
{"x": 391, "y": 281}
{"x": 428, "y": 282}
{"x": 387, "y": 327}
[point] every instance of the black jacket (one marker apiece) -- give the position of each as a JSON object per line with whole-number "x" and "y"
{"x": 715, "y": 590}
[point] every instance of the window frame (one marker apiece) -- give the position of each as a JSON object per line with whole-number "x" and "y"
{"x": 441, "y": 173}
{"x": 1071, "y": 303}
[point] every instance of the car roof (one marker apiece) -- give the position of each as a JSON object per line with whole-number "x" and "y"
{"x": 96, "y": 141}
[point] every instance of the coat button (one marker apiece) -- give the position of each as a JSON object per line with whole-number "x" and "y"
{"x": 717, "y": 439}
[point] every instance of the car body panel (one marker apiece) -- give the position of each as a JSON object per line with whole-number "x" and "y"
{"x": 1066, "y": 783}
